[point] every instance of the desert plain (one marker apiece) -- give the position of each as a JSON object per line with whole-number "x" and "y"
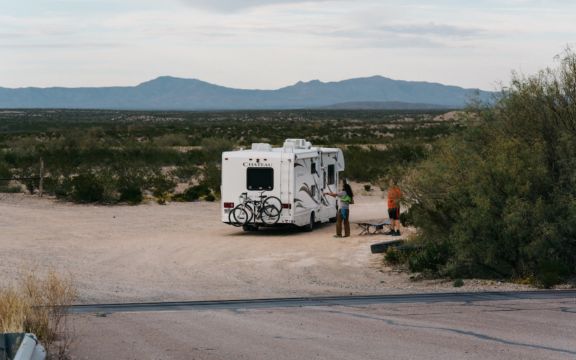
{"x": 182, "y": 251}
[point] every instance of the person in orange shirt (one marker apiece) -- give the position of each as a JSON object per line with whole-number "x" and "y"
{"x": 394, "y": 196}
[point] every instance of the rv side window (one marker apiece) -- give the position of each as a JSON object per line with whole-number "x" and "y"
{"x": 260, "y": 178}
{"x": 331, "y": 174}
{"x": 313, "y": 168}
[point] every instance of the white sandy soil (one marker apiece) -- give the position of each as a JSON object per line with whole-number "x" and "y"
{"x": 181, "y": 251}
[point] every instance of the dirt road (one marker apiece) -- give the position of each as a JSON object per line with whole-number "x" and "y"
{"x": 182, "y": 251}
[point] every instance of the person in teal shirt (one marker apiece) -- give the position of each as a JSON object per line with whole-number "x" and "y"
{"x": 345, "y": 198}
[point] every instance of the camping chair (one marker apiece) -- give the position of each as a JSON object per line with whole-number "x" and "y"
{"x": 374, "y": 227}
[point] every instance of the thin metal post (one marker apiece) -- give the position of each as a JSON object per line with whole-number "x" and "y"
{"x": 41, "y": 184}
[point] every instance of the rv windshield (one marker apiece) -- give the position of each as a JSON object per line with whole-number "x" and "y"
{"x": 260, "y": 179}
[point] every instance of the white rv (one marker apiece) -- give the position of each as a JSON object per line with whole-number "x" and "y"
{"x": 267, "y": 186}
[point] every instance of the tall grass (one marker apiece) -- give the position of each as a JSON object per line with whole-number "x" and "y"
{"x": 13, "y": 311}
{"x": 39, "y": 305}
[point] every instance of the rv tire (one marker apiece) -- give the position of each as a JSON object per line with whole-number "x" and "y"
{"x": 310, "y": 226}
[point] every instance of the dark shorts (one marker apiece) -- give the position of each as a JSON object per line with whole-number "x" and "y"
{"x": 344, "y": 214}
{"x": 394, "y": 213}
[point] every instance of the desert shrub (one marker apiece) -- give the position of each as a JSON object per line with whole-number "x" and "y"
{"x": 87, "y": 188}
{"x": 129, "y": 186}
{"x": 213, "y": 147}
{"x": 30, "y": 186}
{"x": 392, "y": 256}
{"x": 161, "y": 185}
{"x": 5, "y": 171}
{"x": 171, "y": 140}
{"x": 61, "y": 187}
{"x": 458, "y": 283}
{"x": 370, "y": 164}
{"x": 193, "y": 193}
{"x": 407, "y": 217}
{"x": 186, "y": 172}
{"x": 212, "y": 178}
{"x": 429, "y": 257}
{"x": 368, "y": 187}
{"x": 499, "y": 200}
{"x": 210, "y": 198}
{"x": 131, "y": 193}
{"x": 10, "y": 189}
{"x": 39, "y": 306}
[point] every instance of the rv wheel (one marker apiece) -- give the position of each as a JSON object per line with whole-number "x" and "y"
{"x": 310, "y": 226}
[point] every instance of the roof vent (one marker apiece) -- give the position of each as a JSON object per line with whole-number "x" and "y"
{"x": 297, "y": 144}
{"x": 261, "y": 147}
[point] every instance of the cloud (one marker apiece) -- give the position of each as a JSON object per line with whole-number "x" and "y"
{"x": 439, "y": 30}
{"x": 61, "y": 46}
{"x": 239, "y": 5}
{"x": 402, "y": 35}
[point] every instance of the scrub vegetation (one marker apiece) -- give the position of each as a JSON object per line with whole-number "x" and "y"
{"x": 498, "y": 200}
{"x": 39, "y": 305}
{"x": 126, "y": 157}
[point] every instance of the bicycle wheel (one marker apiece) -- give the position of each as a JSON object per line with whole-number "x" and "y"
{"x": 273, "y": 201}
{"x": 249, "y": 210}
{"x": 239, "y": 216}
{"x": 270, "y": 215}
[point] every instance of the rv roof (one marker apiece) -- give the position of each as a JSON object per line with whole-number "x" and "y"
{"x": 273, "y": 152}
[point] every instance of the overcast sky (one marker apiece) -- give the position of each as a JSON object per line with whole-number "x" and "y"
{"x": 268, "y": 44}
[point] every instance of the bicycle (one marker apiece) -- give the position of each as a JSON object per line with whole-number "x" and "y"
{"x": 267, "y": 209}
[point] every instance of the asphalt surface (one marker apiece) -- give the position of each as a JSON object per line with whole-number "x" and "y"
{"x": 321, "y": 301}
{"x": 496, "y": 325}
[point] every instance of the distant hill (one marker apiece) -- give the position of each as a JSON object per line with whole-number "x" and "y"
{"x": 383, "y": 105}
{"x": 169, "y": 93}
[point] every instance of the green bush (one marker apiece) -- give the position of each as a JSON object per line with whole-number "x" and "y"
{"x": 5, "y": 171}
{"x": 161, "y": 185}
{"x": 87, "y": 188}
{"x": 60, "y": 187}
{"x": 431, "y": 256}
{"x": 499, "y": 200}
{"x": 392, "y": 256}
{"x": 10, "y": 189}
{"x": 193, "y": 193}
{"x": 550, "y": 273}
{"x": 458, "y": 283}
{"x": 369, "y": 164}
{"x": 131, "y": 193}
{"x": 212, "y": 178}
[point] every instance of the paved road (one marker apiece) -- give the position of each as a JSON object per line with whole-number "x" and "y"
{"x": 527, "y": 325}
{"x": 321, "y": 301}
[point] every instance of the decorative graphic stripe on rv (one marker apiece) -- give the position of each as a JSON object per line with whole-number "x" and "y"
{"x": 298, "y": 203}
{"x": 306, "y": 189}
{"x": 322, "y": 196}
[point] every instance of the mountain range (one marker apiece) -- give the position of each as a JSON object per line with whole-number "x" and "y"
{"x": 170, "y": 93}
